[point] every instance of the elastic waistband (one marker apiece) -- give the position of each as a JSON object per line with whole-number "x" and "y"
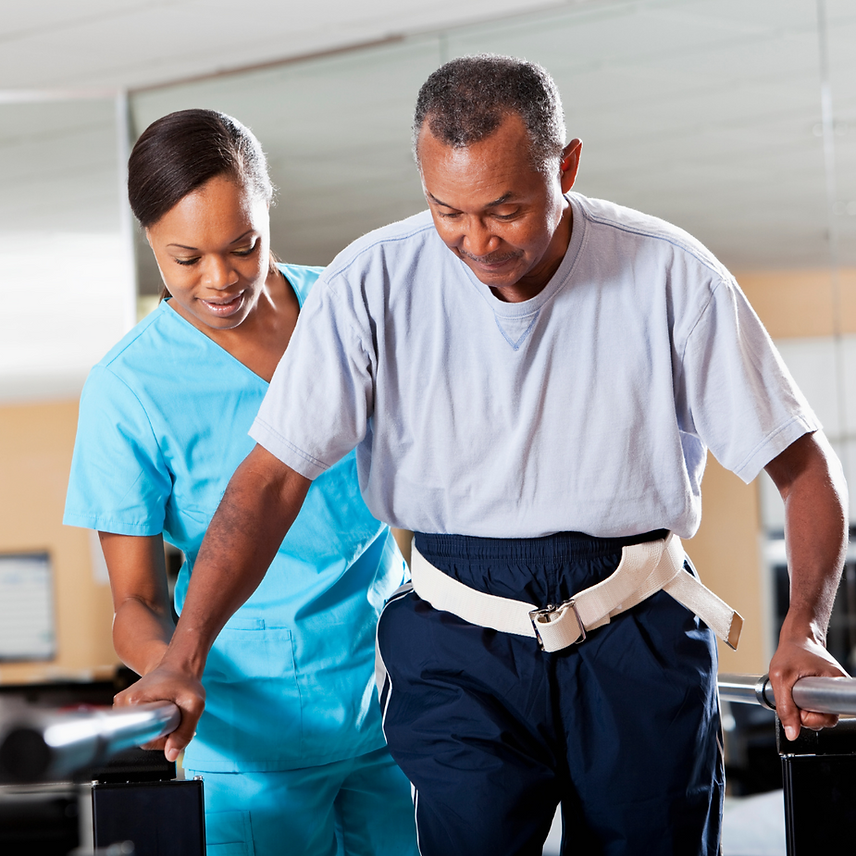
{"x": 558, "y": 547}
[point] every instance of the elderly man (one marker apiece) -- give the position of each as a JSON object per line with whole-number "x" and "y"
{"x": 532, "y": 380}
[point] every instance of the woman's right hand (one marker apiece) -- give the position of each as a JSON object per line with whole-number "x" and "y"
{"x": 168, "y": 684}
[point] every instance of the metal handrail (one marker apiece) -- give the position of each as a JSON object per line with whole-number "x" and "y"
{"x": 38, "y": 745}
{"x": 821, "y": 695}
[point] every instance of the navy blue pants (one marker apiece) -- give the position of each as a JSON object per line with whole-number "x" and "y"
{"x": 622, "y": 730}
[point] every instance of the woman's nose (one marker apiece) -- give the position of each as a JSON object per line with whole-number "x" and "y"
{"x": 219, "y": 273}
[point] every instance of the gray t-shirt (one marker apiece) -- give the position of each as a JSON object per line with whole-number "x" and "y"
{"x": 588, "y": 408}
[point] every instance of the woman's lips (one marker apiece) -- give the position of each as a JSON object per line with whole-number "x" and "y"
{"x": 225, "y": 308}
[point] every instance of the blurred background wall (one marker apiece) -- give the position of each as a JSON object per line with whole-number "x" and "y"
{"x": 735, "y": 120}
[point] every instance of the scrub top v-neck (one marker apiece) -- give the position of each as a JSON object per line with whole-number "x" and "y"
{"x": 163, "y": 425}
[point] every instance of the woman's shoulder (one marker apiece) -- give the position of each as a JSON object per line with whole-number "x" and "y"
{"x": 301, "y": 278}
{"x": 160, "y": 346}
{"x": 139, "y": 337}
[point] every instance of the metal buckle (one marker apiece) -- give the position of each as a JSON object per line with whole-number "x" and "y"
{"x": 551, "y": 613}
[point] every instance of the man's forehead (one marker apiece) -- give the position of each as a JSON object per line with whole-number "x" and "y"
{"x": 504, "y": 199}
{"x": 511, "y": 126}
{"x": 492, "y": 172}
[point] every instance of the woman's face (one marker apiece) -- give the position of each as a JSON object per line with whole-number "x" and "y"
{"x": 213, "y": 251}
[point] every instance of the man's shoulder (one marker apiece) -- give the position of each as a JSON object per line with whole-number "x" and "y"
{"x": 631, "y": 225}
{"x": 404, "y": 237}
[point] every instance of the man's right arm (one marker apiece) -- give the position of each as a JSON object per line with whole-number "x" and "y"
{"x": 261, "y": 502}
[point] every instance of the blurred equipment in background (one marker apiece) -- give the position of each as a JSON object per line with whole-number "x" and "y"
{"x": 818, "y": 769}
{"x": 73, "y": 780}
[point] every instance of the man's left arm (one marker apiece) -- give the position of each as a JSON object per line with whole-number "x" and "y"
{"x": 811, "y": 483}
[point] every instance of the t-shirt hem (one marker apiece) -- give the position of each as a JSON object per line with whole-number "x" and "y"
{"x": 287, "y": 452}
{"x": 774, "y": 444}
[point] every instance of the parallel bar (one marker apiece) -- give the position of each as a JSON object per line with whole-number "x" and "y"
{"x": 747, "y": 689}
{"x": 822, "y": 695}
{"x": 44, "y": 746}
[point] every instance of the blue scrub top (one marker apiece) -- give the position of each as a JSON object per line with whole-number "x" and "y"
{"x": 163, "y": 425}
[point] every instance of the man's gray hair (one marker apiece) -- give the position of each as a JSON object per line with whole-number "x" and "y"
{"x": 466, "y": 100}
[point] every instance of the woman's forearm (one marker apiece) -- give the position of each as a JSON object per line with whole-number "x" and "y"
{"x": 141, "y": 635}
{"x": 142, "y": 613}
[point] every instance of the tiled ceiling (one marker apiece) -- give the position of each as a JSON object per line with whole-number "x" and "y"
{"x": 705, "y": 112}
{"x": 734, "y": 119}
{"x": 129, "y": 44}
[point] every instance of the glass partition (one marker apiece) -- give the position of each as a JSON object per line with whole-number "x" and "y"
{"x": 736, "y": 121}
{"x": 66, "y": 272}
{"x": 336, "y": 131}
{"x": 678, "y": 102}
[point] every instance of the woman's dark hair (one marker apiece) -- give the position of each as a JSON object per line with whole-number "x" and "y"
{"x": 180, "y": 152}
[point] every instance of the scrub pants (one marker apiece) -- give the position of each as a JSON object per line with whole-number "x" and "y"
{"x": 622, "y": 730}
{"x": 357, "y": 807}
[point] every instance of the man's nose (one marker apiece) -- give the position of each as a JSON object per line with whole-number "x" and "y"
{"x": 478, "y": 239}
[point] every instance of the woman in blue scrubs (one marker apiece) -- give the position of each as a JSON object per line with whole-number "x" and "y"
{"x": 290, "y": 746}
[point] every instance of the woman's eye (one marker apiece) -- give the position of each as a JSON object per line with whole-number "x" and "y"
{"x": 186, "y": 262}
{"x": 246, "y": 251}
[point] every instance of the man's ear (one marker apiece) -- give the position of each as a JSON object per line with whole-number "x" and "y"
{"x": 570, "y": 164}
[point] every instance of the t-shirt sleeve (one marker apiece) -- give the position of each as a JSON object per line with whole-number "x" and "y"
{"x": 742, "y": 400}
{"x": 321, "y": 396}
{"x": 119, "y": 481}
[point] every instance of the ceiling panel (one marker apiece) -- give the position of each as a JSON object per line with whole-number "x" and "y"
{"x": 129, "y": 44}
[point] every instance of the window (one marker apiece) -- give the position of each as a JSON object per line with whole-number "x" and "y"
{"x": 27, "y": 629}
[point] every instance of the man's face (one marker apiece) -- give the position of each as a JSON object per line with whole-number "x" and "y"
{"x": 508, "y": 222}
